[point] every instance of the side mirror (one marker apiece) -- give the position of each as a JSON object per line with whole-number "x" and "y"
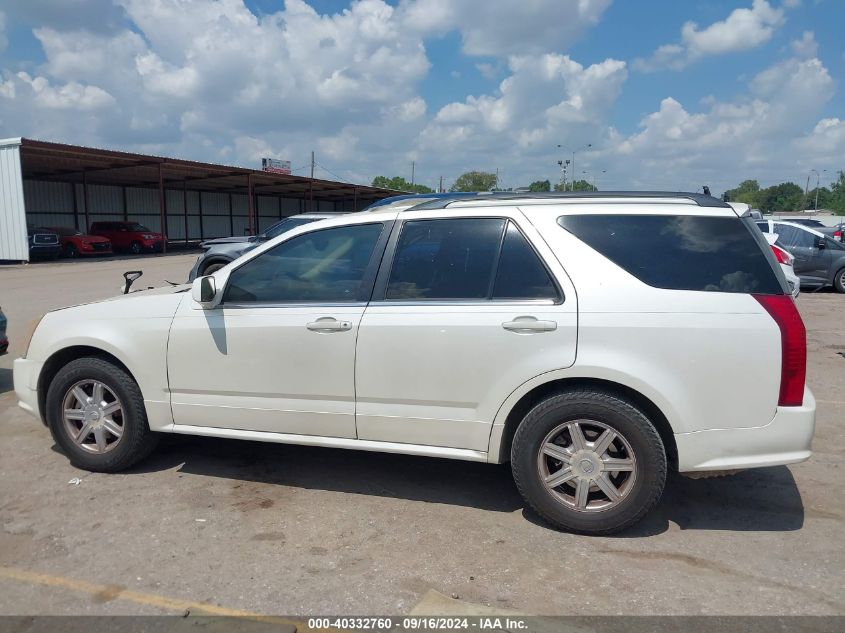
{"x": 204, "y": 290}
{"x": 130, "y": 276}
{"x": 820, "y": 243}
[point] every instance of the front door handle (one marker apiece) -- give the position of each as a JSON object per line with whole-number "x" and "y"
{"x": 529, "y": 324}
{"x": 329, "y": 324}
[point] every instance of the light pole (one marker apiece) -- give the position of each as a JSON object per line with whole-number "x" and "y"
{"x": 569, "y": 149}
{"x": 816, "y": 204}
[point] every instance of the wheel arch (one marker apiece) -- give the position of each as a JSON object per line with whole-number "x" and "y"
{"x": 62, "y": 357}
{"x": 500, "y": 446}
{"x": 214, "y": 259}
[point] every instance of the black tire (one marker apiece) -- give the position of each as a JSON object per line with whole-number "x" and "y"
{"x": 621, "y": 417}
{"x": 137, "y": 440}
{"x": 839, "y": 281}
{"x": 135, "y": 248}
{"x": 70, "y": 251}
{"x": 212, "y": 268}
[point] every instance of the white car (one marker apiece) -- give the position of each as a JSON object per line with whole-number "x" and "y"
{"x": 787, "y": 264}
{"x": 592, "y": 340}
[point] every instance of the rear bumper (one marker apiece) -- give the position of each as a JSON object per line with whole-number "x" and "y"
{"x": 784, "y": 440}
{"x": 25, "y": 373}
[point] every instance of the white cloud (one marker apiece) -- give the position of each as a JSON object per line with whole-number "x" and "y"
{"x": 759, "y": 135}
{"x": 503, "y": 27}
{"x": 208, "y": 79}
{"x": 743, "y": 29}
{"x": 806, "y": 47}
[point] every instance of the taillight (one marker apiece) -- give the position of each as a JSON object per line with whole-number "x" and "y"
{"x": 793, "y": 342}
{"x": 781, "y": 255}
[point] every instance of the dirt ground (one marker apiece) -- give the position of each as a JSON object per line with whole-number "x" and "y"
{"x": 231, "y": 527}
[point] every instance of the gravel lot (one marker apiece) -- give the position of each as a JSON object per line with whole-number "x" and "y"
{"x": 223, "y": 526}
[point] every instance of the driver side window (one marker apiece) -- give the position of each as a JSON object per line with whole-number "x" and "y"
{"x": 325, "y": 266}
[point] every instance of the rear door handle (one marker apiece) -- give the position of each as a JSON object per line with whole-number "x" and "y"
{"x": 529, "y": 324}
{"x": 329, "y": 324}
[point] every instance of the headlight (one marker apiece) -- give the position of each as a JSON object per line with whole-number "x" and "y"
{"x": 148, "y": 236}
{"x": 33, "y": 325}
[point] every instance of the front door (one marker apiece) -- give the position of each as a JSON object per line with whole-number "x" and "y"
{"x": 464, "y": 314}
{"x": 278, "y": 353}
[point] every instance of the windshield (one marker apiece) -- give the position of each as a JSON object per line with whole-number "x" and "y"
{"x": 134, "y": 226}
{"x": 286, "y": 225}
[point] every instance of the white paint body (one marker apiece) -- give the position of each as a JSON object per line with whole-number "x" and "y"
{"x": 440, "y": 379}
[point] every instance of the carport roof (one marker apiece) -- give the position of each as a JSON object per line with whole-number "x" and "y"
{"x": 43, "y": 160}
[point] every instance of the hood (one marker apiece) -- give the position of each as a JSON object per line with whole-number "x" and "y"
{"x": 228, "y": 240}
{"x": 155, "y": 302}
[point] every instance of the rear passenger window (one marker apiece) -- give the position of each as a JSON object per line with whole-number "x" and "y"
{"x": 445, "y": 259}
{"x": 521, "y": 274}
{"x": 466, "y": 258}
{"x": 718, "y": 254}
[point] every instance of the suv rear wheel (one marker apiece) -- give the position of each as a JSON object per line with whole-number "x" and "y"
{"x": 588, "y": 462}
{"x": 96, "y": 415}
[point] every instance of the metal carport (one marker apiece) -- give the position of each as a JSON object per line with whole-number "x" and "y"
{"x": 54, "y": 184}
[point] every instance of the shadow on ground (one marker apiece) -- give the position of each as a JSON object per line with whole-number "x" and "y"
{"x": 756, "y": 500}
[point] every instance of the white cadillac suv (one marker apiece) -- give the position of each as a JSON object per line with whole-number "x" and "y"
{"x": 594, "y": 341}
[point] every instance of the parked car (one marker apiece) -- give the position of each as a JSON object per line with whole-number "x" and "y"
{"x": 811, "y": 222}
{"x": 838, "y": 230}
{"x": 221, "y": 251}
{"x": 4, "y": 341}
{"x": 129, "y": 236}
{"x": 819, "y": 259}
{"x": 787, "y": 262}
{"x": 43, "y": 243}
{"x": 75, "y": 243}
{"x": 451, "y": 331}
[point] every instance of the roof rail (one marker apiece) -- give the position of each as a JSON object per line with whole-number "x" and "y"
{"x": 700, "y": 199}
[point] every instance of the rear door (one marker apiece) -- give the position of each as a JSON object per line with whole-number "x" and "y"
{"x": 464, "y": 311}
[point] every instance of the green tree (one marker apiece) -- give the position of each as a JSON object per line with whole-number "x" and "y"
{"x": 398, "y": 183}
{"x": 748, "y": 192}
{"x": 787, "y": 196}
{"x": 578, "y": 185}
{"x": 540, "y": 185}
{"x": 474, "y": 181}
{"x": 836, "y": 203}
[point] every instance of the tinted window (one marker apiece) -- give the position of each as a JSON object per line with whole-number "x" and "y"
{"x": 445, "y": 259}
{"x": 680, "y": 252}
{"x": 521, "y": 274}
{"x": 786, "y": 235}
{"x": 325, "y": 266}
{"x": 763, "y": 226}
{"x": 286, "y": 225}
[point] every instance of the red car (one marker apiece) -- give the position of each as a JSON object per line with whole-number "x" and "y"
{"x": 129, "y": 236}
{"x": 75, "y": 243}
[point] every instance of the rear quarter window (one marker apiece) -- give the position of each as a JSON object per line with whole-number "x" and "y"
{"x": 681, "y": 252}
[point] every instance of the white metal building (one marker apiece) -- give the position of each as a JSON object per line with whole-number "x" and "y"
{"x": 58, "y": 185}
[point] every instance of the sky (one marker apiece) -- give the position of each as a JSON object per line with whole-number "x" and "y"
{"x": 652, "y": 94}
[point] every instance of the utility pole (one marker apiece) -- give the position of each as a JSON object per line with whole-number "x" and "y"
{"x": 312, "y": 163}
{"x": 496, "y": 186}
{"x": 440, "y": 190}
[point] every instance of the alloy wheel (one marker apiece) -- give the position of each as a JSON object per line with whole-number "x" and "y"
{"x": 587, "y": 465}
{"x": 93, "y": 416}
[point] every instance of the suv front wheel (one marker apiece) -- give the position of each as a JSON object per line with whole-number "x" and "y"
{"x": 96, "y": 414}
{"x": 588, "y": 462}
